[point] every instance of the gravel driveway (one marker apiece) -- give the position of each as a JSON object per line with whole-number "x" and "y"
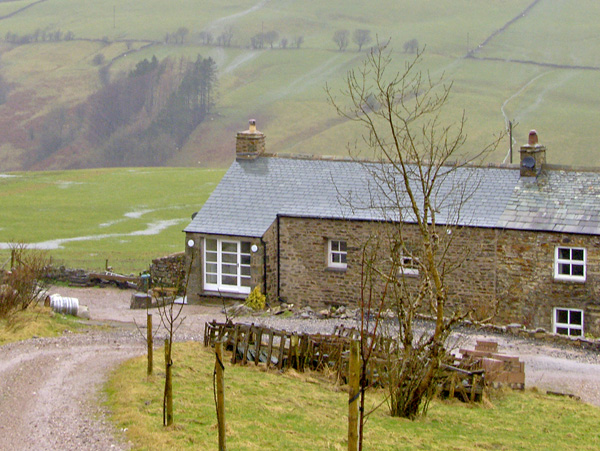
{"x": 50, "y": 395}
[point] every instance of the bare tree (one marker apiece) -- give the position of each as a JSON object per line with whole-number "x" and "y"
{"x": 258, "y": 41}
{"x": 419, "y": 186}
{"x": 224, "y": 39}
{"x": 206, "y": 37}
{"x": 170, "y": 317}
{"x": 181, "y": 34}
{"x": 361, "y": 37}
{"x": 298, "y": 41}
{"x": 411, "y": 46}
{"x": 270, "y": 37}
{"x": 341, "y": 39}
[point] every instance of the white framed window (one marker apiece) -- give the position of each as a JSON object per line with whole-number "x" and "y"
{"x": 569, "y": 264}
{"x": 336, "y": 254}
{"x": 227, "y": 265}
{"x": 568, "y": 321}
{"x": 409, "y": 266}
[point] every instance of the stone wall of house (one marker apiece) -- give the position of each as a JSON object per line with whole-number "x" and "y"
{"x": 307, "y": 279}
{"x": 196, "y": 292}
{"x": 270, "y": 244}
{"x": 193, "y": 261}
{"x": 527, "y": 290}
{"x": 505, "y": 275}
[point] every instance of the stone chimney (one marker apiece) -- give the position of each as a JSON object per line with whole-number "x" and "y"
{"x": 250, "y": 143}
{"x": 533, "y": 156}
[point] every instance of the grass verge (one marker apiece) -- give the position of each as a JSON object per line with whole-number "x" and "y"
{"x": 293, "y": 411}
{"x": 35, "y": 322}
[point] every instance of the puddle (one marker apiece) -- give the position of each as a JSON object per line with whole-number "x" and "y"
{"x": 137, "y": 214}
{"x": 110, "y": 223}
{"x": 63, "y": 184}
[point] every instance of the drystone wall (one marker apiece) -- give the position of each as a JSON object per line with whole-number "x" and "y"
{"x": 168, "y": 271}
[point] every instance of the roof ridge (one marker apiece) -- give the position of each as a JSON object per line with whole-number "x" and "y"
{"x": 317, "y": 157}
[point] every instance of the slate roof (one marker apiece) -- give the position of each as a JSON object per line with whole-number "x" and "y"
{"x": 559, "y": 201}
{"x": 253, "y": 192}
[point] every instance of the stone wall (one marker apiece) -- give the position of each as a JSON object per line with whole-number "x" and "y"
{"x": 72, "y": 276}
{"x": 271, "y": 249}
{"x": 505, "y": 274}
{"x": 196, "y": 292}
{"x": 168, "y": 271}
{"x": 526, "y": 286}
{"x": 307, "y": 279}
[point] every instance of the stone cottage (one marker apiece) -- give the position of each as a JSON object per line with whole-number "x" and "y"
{"x": 280, "y": 222}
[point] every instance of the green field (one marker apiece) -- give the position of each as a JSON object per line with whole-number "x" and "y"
{"x": 85, "y": 217}
{"x": 284, "y": 89}
{"x": 301, "y": 411}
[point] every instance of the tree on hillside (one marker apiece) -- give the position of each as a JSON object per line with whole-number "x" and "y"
{"x": 411, "y": 46}
{"x": 341, "y": 39}
{"x": 417, "y": 187}
{"x": 192, "y": 101}
{"x": 144, "y": 67}
{"x": 207, "y": 71}
{"x": 181, "y": 34}
{"x": 298, "y": 41}
{"x": 206, "y": 37}
{"x": 257, "y": 41}
{"x": 225, "y": 37}
{"x": 271, "y": 37}
{"x": 361, "y": 37}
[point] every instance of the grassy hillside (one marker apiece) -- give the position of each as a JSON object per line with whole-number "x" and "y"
{"x": 125, "y": 216}
{"x": 540, "y": 70}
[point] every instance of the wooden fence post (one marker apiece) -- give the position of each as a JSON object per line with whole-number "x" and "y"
{"x": 353, "y": 395}
{"x": 219, "y": 370}
{"x": 168, "y": 384}
{"x": 149, "y": 339}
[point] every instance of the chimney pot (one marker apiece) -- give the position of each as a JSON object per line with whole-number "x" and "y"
{"x": 533, "y": 156}
{"x": 252, "y": 126}
{"x": 533, "y": 138}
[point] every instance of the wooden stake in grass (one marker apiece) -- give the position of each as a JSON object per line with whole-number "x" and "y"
{"x": 149, "y": 341}
{"x": 220, "y": 382}
{"x": 168, "y": 399}
{"x": 353, "y": 395}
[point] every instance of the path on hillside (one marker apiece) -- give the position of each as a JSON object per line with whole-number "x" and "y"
{"x": 233, "y": 17}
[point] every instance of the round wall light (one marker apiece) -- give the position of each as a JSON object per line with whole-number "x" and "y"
{"x": 254, "y": 248}
{"x": 191, "y": 243}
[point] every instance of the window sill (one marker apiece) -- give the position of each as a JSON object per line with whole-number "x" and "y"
{"x": 225, "y": 294}
{"x": 563, "y": 279}
{"x": 335, "y": 269}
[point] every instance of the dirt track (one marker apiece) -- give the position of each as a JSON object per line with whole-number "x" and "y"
{"x": 50, "y": 393}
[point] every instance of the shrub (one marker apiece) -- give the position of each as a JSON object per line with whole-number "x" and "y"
{"x": 256, "y": 300}
{"x": 22, "y": 286}
{"x": 98, "y": 59}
